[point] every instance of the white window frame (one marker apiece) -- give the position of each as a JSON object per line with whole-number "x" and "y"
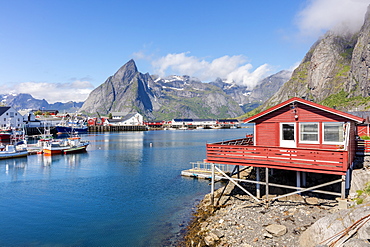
{"x": 332, "y": 142}
{"x": 318, "y": 133}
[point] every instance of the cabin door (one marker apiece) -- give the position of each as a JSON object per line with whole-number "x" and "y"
{"x": 287, "y": 135}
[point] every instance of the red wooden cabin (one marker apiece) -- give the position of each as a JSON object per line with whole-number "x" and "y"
{"x": 295, "y": 135}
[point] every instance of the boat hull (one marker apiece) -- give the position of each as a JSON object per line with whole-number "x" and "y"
{"x": 68, "y": 129}
{"x": 13, "y": 155}
{"x": 75, "y": 150}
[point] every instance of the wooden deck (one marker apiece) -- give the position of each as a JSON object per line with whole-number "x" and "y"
{"x": 243, "y": 152}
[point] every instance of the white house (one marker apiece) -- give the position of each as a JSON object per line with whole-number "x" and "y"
{"x": 9, "y": 117}
{"x": 29, "y": 118}
{"x": 128, "y": 120}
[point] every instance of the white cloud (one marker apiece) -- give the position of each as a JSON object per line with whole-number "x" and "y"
{"x": 337, "y": 15}
{"x": 77, "y": 90}
{"x": 232, "y": 68}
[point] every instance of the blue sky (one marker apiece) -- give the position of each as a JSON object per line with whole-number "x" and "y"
{"x": 61, "y": 50}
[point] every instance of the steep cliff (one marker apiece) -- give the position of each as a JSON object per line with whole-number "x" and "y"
{"x": 335, "y": 72}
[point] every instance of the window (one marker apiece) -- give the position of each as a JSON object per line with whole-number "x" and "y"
{"x": 288, "y": 132}
{"x": 309, "y": 132}
{"x": 333, "y": 132}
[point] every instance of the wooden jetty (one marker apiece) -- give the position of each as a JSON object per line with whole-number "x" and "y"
{"x": 101, "y": 128}
{"x": 204, "y": 170}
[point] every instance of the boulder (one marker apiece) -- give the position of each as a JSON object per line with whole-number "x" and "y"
{"x": 276, "y": 230}
{"x": 330, "y": 225}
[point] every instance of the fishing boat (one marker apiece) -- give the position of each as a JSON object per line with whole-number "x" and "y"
{"x": 6, "y": 134}
{"x": 71, "y": 126}
{"x": 65, "y": 146}
{"x": 13, "y": 150}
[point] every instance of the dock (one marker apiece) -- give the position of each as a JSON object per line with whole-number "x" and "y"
{"x": 203, "y": 170}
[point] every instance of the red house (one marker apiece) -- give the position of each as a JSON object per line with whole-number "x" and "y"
{"x": 296, "y": 135}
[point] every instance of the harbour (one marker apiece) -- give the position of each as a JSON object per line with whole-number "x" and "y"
{"x": 125, "y": 190}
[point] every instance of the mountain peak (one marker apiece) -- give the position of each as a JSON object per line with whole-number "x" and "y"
{"x": 128, "y": 70}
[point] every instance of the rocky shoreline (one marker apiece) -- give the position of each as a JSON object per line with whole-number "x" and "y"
{"x": 240, "y": 221}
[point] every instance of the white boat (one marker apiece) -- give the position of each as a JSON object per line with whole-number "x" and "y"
{"x": 64, "y": 146}
{"x": 13, "y": 151}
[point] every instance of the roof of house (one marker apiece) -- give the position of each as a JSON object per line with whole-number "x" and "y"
{"x": 305, "y": 102}
{"x": 4, "y": 109}
{"x": 363, "y": 114}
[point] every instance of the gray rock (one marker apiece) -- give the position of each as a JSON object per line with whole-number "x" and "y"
{"x": 276, "y": 230}
{"x": 330, "y": 225}
{"x": 357, "y": 243}
{"x": 312, "y": 200}
{"x": 211, "y": 239}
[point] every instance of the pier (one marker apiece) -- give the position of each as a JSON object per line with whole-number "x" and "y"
{"x": 101, "y": 128}
{"x": 204, "y": 170}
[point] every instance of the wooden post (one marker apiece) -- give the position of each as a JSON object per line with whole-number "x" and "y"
{"x": 304, "y": 180}
{"x": 348, "y": 178}
{"x": 258, "y": 186}
{"x": 343, "y": 190}
{"x": 298, "y": 175}
{"x": 213, "y": 185}
{"x": 267, "y": 186}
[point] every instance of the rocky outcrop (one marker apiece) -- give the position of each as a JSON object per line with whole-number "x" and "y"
{"x": 360, "y": 64}
{"x": 335, "y": 72}
{"x": 332, "y": 228}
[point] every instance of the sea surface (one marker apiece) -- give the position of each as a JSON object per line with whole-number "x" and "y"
{"x": 126, "y": 190}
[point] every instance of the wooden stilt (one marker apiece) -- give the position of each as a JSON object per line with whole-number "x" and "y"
{"x": 267, "y": 187}
{"x": 258, "y": 186}
{"x": 213, "y": 185}
{"x": 298, "y": 176}
{"x": 343, "y": 190}
{"x": 348, "y": 178}
{"x": 304, "y": 180}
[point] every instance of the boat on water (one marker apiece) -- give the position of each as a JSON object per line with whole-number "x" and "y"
{"x": 76, "y": 129}
{"x": 13, "y": 150}
{"x": 6, "y": 134}
{"x": 65, "y": 146}
{"x": 71, "y": 126}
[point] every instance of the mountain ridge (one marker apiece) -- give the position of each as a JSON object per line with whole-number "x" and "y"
{"x": 129, "y": 91}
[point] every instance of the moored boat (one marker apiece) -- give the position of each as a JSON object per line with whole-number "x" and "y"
{"x": 5, "y": 134}
{"x": 13, "y": 151}
{"x": 69, "y": 145}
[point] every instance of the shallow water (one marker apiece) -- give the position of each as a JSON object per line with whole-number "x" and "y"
{"x": 125, "y": 191}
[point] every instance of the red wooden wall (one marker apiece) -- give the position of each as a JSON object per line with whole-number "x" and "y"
{"x": 267, "y": 128}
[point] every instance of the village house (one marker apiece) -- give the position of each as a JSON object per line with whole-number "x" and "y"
{"x": 9, "y": 117}
{"x": 29, "y": 118}
{"x": 296, "y": 135}
{"x": 128, "y": 120}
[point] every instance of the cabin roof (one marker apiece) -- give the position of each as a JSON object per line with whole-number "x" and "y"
{"x": 305, "y": 102}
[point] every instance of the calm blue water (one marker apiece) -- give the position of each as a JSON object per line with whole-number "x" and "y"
{"x": 125, "y": 191}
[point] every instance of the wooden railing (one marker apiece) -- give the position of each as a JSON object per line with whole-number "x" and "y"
{"x": 363, "y": 147}
{"x": 297, "y": 159}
